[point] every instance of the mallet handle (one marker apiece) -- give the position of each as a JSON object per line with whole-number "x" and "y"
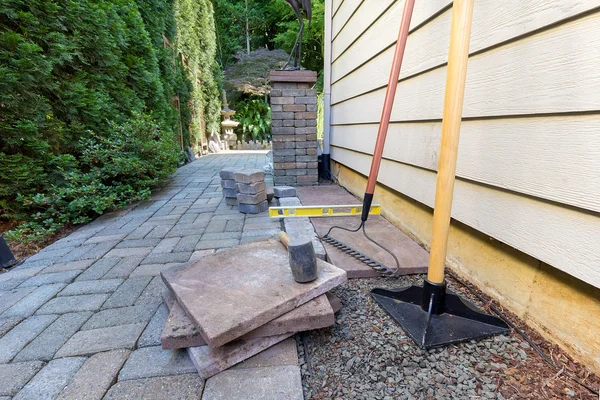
{"x": 456, "y": 76}
{"x": 284, "y": 238}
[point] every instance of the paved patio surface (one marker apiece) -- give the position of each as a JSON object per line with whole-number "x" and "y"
{"x": 82, "y": 318}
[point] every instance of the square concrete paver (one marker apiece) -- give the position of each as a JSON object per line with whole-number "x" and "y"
{"x": 103, "y": 339}
{"x": 233, "y": 292}
{"x": 272, "y": 383}
{"x": 283, "y": 353}
{"x": 180, "y": 332}
{"x": 180, "y": 387}
{"x": 209, "y": 361}
{"x": 413, "y": 258}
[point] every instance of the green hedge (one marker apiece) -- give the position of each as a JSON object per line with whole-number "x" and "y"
{"x": 86, "y": 90}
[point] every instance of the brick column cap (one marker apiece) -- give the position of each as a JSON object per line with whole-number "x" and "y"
{"x": 302, "y": 76}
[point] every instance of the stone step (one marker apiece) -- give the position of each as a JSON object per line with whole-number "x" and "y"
{"x": 233, "y": 292}
{"x": 179, "y": 331}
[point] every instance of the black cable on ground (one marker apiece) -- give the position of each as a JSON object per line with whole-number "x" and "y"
{"x": 524, "y": 335}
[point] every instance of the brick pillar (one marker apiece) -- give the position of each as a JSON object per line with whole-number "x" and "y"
{"x": 294, "y": 127}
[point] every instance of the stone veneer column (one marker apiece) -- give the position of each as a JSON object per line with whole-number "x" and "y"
{"x": 294, "y": 127}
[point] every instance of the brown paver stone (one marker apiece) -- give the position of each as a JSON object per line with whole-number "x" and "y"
{"x": 233, "y": 292}
{"x": 412, "y": 258}
{"x": 209, "y": 361}
{"x": 180, "y": 387}
{"x": 272, "y": 383}
{"x": 103, "y": 339}
{"x": 95, "y": 376}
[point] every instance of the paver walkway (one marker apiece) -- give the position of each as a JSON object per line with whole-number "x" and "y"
{"x": 82, "y": 318}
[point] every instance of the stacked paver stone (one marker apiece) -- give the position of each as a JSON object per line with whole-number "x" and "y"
{"x": 228, "y": 185}
{"x": 294, "y": 127}
{"x": 251, "y": 191}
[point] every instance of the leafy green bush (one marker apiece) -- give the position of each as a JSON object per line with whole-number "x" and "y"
{"x": 254, "y": 116}
{"x": 71, "y": 67}
{"x": 112, "y": 171}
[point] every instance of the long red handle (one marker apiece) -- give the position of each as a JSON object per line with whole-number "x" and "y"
{"x": 387, "y": 105}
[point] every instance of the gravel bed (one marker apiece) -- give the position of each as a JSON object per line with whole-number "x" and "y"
{"x": 366, "y": 355}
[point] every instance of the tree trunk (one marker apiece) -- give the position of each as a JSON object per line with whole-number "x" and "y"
{"x": 247, "y": 31}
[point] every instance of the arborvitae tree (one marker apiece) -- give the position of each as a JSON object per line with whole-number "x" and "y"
{"x": 75, "y": 73}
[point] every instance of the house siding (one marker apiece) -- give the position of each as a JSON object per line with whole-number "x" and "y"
{"x": 529, "y": 156}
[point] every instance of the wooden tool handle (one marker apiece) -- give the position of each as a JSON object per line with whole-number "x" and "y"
{"x": 284, "y": 238}
{"x": 458, "y": 56}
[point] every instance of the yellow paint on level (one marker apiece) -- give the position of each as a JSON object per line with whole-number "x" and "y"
{"x": 321, "y": 211}
{"x": 562, "y": 308}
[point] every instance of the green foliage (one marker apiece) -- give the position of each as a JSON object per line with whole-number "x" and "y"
{"x": 112, "y": 171}
{"x": 254, "y": 116}
{"x": 272, "y": 25}
{"x": 72, "y": 67}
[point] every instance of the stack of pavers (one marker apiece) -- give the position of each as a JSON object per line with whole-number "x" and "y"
{"x": 227, "y": 176}
{"x": 231, "y": 305}
{"x": 251, "y": 191}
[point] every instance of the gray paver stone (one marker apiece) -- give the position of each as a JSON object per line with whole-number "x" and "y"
{"x": 228, "y": 173}
{"x": 91, "y": 287}
{"x": 48, "y": 342}
{"x": 98, "y": 269}
{"x": 230, "y": 201}
{"x": 253, "y": 208}
{"x": 150, "y": 269}
{"x": 20, "y": 273}
{"x": 252, "y": 198}
{"x": 251, "y": 188}
{"x": 127, "y": 244}
{"x": 180, "y": 387}
{"x": 68, "y": 304}
{"x": 14, "y": 376}
{"x": 152, "y": 294}
{"x": 229, "y": 193}
{"x": 30, "y": 303}
{"x": 77, "y": 253}
{"x": 151, "y": 335}
{"x": 284, "y": 191}
{"x": 8, "y": 298}
{"x": 187, "y": 243}
{"x": 221, "y": 235}
{"x": 163, "y": 258}
{"x": 120, "y": 316}
{"x": 249, "y": 176}
{"x": 95, "y": 377}
{"x": 6, "y": 324}
{"x": 70, "y": 266}
{"x": 22, "y": 334}
{"x": 166, "y": 245}
{"x": 127, "y": 293}
{"x": 103, "y": 339}
{"x": 216, "y": 244}
{"x": 129, "y": 252}
{"x": 49, "y": 382}
{"x": 10, "y": 284}
{"x": 124, "y": 267}
{"x": 149, "y": 362}
{"x": 273, "y": 383}
{"x": 228, "y": 183}
{"x": 56, "y": 277}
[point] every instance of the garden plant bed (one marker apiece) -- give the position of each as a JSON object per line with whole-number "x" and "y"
{"x": 365, "y": 355}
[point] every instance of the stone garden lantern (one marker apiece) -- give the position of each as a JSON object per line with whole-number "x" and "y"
{"x": 228, "y": 124}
